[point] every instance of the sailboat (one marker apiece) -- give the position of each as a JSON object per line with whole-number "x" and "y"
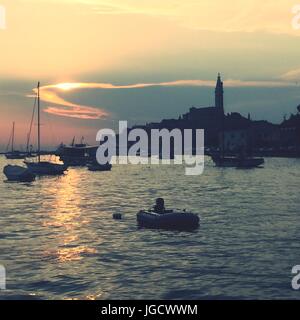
{"x": 13, "y": 154}
{"x": 43, "y": 167}
{"x": 29, "y": 148}
{"x": 14, "y": 172}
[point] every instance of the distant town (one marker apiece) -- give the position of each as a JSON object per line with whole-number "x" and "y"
{"x": 239, "y": 133}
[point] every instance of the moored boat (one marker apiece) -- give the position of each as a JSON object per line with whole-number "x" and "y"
{"x": 237, "y": 162}
{"x": 13, "y": 154}
{"x": 99, "y": 167}
{"x": 170, "y": 219}
{"x": 250, "y": 162}
{"x": 76, "y": 154}
{"x": 18, "y": 173}
{"x": 43, "y": 167}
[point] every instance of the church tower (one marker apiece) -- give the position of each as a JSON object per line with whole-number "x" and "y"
{"x": 219, "y": 94}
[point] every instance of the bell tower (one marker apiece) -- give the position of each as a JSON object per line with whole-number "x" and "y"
{"x": 219, "y": 94}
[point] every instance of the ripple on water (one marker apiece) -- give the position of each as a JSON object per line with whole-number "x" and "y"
{"x": 58, "y": 238}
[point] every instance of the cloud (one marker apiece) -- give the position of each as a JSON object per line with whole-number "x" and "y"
{"x": 214, "y": 15}
{"x": 50, "y": 94}
{"x": 68, "y": 109}
{"x": 80, "y": 112}
{"x": 292, "y": 75}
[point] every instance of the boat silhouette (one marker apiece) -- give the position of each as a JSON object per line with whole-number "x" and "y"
{"x": 40, "y": 167}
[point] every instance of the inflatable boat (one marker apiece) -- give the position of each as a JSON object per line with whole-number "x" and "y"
{"x": 170, "y": 219}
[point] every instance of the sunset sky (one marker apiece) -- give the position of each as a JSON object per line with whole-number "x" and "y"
{"x": 143, "y": 60}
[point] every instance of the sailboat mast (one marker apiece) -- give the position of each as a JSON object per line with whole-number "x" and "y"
{"x": 39, "y": 124}
{"x": 13, "y": 138}
{"x": 31, "y": 124}
{"x": 27, "y": 144}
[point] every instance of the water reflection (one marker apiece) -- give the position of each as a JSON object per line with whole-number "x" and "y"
{"x": 71, "y": 254}
{"x": 66, "y": 219}
{"x": 50, "y": 233}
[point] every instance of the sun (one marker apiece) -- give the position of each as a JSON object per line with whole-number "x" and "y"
{"x": 67, "y": 86}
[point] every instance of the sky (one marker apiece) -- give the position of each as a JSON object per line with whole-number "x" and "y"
{"x": 100, "y": 61}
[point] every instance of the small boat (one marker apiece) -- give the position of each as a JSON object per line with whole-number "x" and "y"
{"x": 18, "y": 173}
{"x": 250, "y": 162}
{"x": 99, "y": 167}
{"x": 43, "y": 167}
{"x": 170, "y": 219}
{"x": 30, "y": 155}
{"x": 13, "y": 154}
{"x": 237, "y": 162}
{"x": 76, "y": 154}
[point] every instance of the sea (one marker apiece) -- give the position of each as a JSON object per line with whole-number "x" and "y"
{"x": 58, "y": 239}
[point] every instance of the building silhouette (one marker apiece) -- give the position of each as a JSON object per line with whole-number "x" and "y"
{"x": 208, "y": 118}
{"x": 234, "y": 132}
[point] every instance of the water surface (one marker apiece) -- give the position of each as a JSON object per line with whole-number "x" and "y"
{"x": 58, "y": 239}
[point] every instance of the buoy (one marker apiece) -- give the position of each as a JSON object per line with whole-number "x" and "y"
{"x": 117, "y": 216}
